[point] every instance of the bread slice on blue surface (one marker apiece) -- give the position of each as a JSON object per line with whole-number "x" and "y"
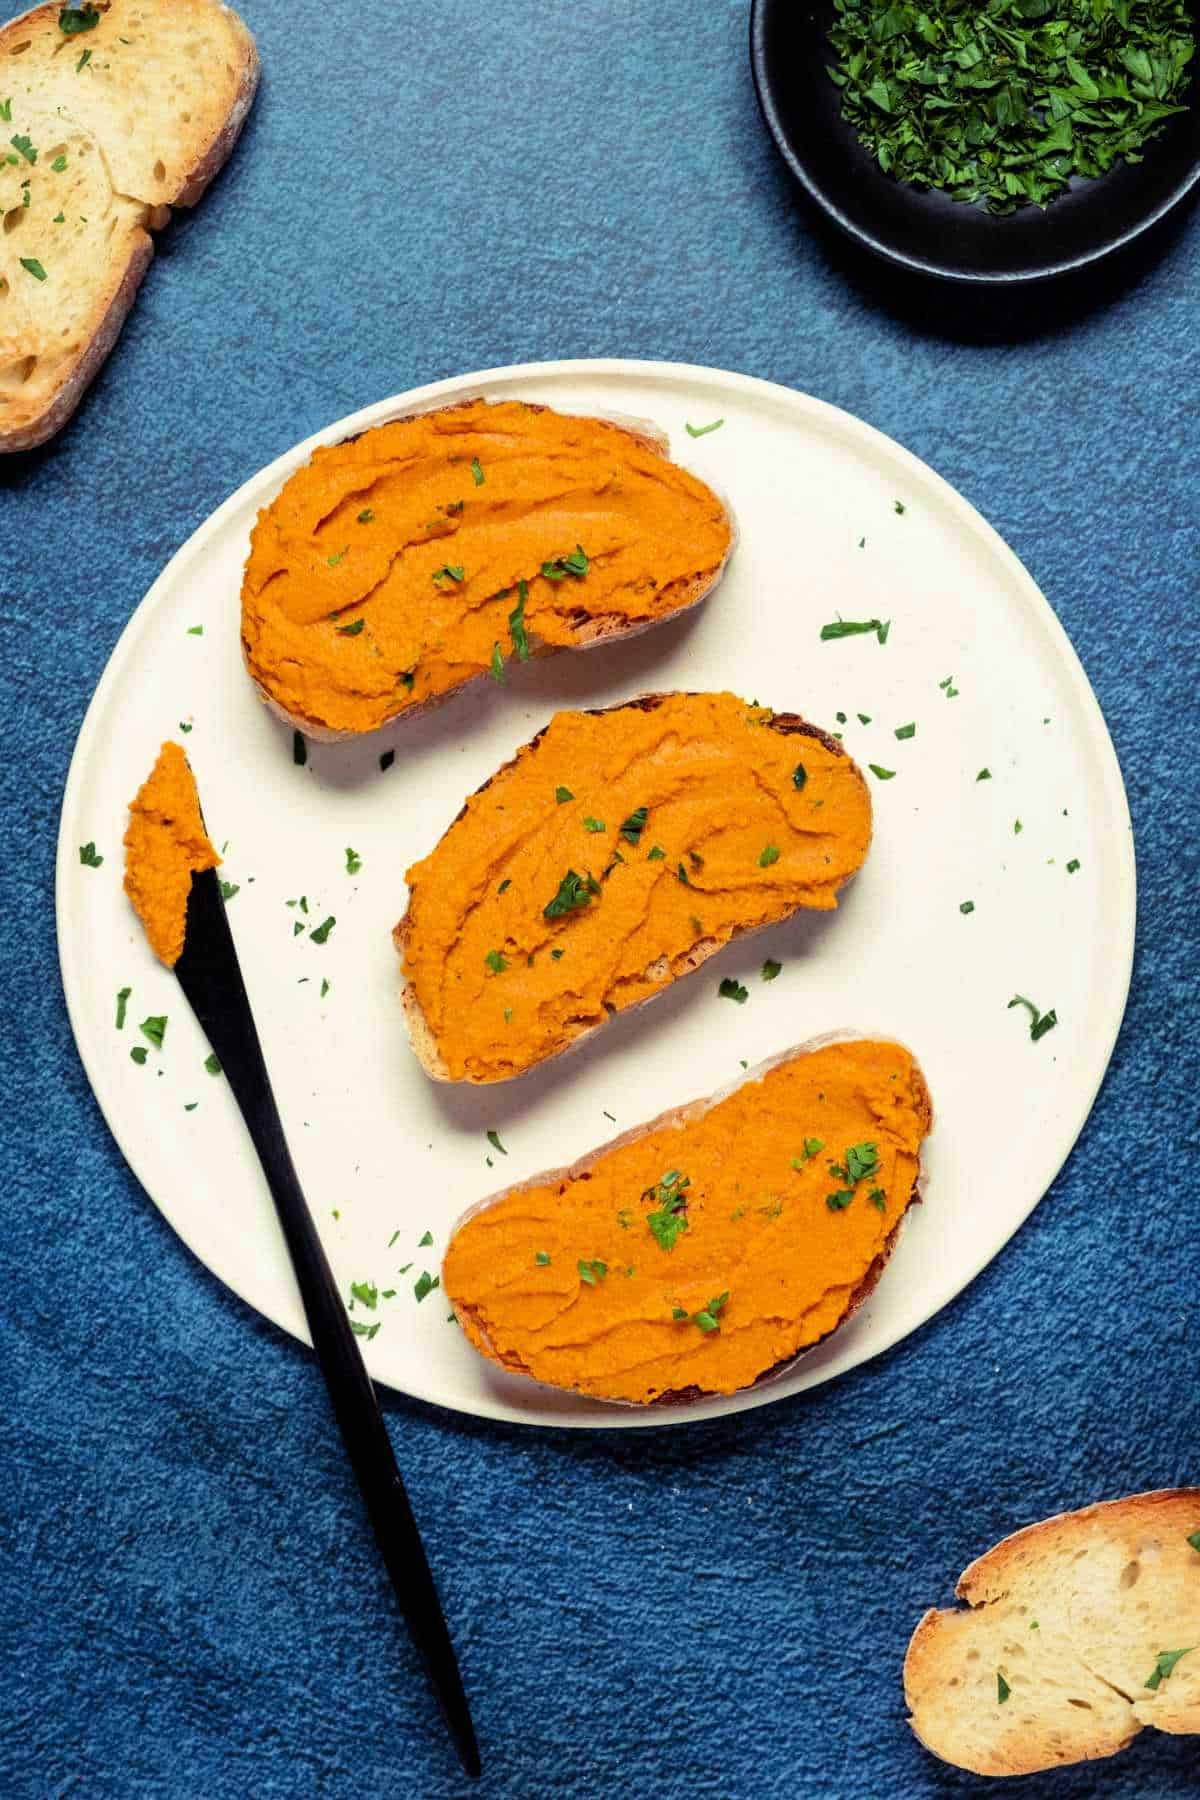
{"x": 1076, "y": 1633}
{"x": 113, "y": 113}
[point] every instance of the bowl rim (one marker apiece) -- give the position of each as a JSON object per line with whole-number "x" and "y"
{"x": 765, "y": 86}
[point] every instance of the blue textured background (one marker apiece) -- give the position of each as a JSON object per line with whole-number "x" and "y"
{"x": 191, "y": 1605}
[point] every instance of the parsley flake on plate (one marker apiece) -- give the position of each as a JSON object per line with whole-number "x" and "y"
{"x": 729, "y": 989}
{"x": 88, "y": 856}
{"x": 1040, "y": 1023}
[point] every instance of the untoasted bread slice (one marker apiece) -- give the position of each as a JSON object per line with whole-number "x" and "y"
{"x": 1070, "y": 1643}
{"x": 704, "y": 1252}
{"x": 396, "y": 567}
{"x": 113, "y": 125}
{"x": 617, "y": 851}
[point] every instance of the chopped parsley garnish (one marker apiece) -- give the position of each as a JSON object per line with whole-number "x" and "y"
{"x": 74, "y": 19}
{"x": 229, "y": 889}
{"x": 682, "y": 873}
{"x": 1005, "y": 105}
{"x": 337, "y": 556}
{"x": 576, "y": 564}
{"x": 562, "y": 795}
{"x": 967, "y": 906}
{"x": 320, "y": 933}
{"x": 574, "y": 890}
{"x": 299, "y": 749}
{"x": 865, "y": 719}
{"x": 365, "y": 1292}
{"x": 324, "y": 986}
{"x": 6, "y": 108}
{"x": 658, "y": 854}
{"x": 516, "y": 623}
{"x": 878, "y": 1199}
{"x": 984, "y": 775}
{"x": 812, "y": 1147}
{"x": 211, "y": 1063}
{"x": 702, "y": 430}
{"x": 594, "y": 824}
{"x": 122, "y": 1001}
{"x": 844, "y": 628}
{"x": 555, "y": 955}
{"x": 407, "y": 679}
{"x": 1040, "y": 1023}
{"x": 1165, "y": 1665}
{"x": 506, "y": 883}
{"x": 25, "y": 147}
{"x": 386, "y": 761}
{"x": 1002, "y": 1689}
{"x": 768, "y": 855}
{"x": 425, "y": 1284}
{"x": 83, "y": 62}
{"x": 365, "y": 516}
{"x": 424, "y": 1241}
{"x": 1194, "y": 1541}
{"x": 449, "y": 572}
{"x": 477, "y": 471}
{"x": 881, "y": 773}
{"x": 353, "y": 861}
{"x": 497, "y": 665}
{"x": 899, "y": 506}
{"x": 669, "y": 1220}
{"x": 1018, "y": 828}
{"x": 771, "y": 969}
{"x": 361, "y": 1330}
{"x": 729, "y": 989}
{"x": 351, "y": 630}
{"x": 948, "y": 688}
{"x": 33, "y": 266}
{"x": 708, "y": 1318}
{"x": 138, "y": 1054}
{"x": 860, "y": 1163}
{"x": 493, "y": 1138}
{"x": 592, "y": 1272}
{"x": 88, "y": 856}
{"x": 542, "y": 1259}
{"x": 59, "y": 164}
{"x": 1072, "y": 865}
{"x": 799, "y": 776}
{"x": 632, "y": 828}
{"x": 155, "y": 1028}
{"x": 906, "y": 731}
{"x": 495, "y": 962}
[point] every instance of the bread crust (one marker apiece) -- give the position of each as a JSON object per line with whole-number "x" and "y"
{"x": 63, "y": 402}
{"x": 1012, "y": 1569}
{"x": 685, "y": 1115}
{"x": 421, "y": 1037}
{"x": 604, "y": 630}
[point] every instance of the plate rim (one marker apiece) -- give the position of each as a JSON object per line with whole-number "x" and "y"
{"x": 604, "y": 1417}
{"x": 765, "y": 87}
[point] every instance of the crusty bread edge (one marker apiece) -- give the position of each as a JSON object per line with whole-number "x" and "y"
{"x": 597, "y": 631}
{"x": 994, "y": 1561}
{"x": 680, "y": 1117}
{"x": 422, "y": 1039}
{"x": 54, "y": 416}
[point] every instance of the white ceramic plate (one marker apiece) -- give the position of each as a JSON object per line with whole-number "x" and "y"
{"x": 386, "y": 1155}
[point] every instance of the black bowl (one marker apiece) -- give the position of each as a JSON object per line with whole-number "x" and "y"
{"x": 927, "y": 231}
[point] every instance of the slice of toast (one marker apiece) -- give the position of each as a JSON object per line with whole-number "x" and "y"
{"x": 397, "y": 567}
{"x": 685, "y": 820}
{"x": 600, "y": 1277}
{"x": 1069, "y": 1644}
{"x": 105, "y": 129}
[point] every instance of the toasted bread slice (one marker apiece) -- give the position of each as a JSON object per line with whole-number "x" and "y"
{"x": 396, "y": 567}
{"x": 704, "y": 1252}
{"x": 1070, "y": 1644}
{"x": 617, "y": 851}
{"x": 112, "y": 126}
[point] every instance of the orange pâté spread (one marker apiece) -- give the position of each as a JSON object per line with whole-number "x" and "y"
{"x": 396, "y": 566}
{"x": 588, "y": 873}
{"x": 707, "y": 1253}
{"x": 164, "y": 843}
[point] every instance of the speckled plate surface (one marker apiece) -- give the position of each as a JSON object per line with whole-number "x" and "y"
{"x": 835, "y": 520}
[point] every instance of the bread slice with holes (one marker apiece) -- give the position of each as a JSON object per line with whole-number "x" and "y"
{"x": 1076, "y": 1633}
{"x": 615, "y": 853}
{"x": 113, "y": 114}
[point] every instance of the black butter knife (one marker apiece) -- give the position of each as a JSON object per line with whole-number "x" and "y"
{"x": 209, "y": 975}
